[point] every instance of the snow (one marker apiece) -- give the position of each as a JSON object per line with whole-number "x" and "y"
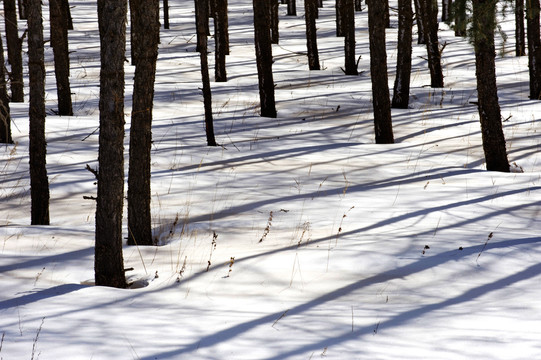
{"x": 367, "y": 251}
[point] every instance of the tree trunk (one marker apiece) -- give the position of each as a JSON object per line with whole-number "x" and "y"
{"x": 5, "y": 118}
{"x": 291, "y": 7}
{"x": 534, "y": 48}
{"x": 310, "y": 9}
{"x": 263, "y": 51}
{"x": 420, "y": 28}
{"x": 273, "y": 13}
{"x": 358, "y": 5}
{"x": 459, "y": 11}
{"x": 484, "y": 22}
{"x": 348, "y": 18}
{"x": 59, "y": 36}
{"x": 339, "y": 17}
{"x": 429, "y": 18}
{"x": 109, "y": 263}
{"x": 445, "y": 11}
{"x": 520, "y": 44}
{"x": 202, "y": 46}
{"x": 166, "y": 14}
{"x": 387, "y": 16}
{"x": 14, "y": 45}
{"x": 221, "y": 39}
{"x": 39, "y": 183}
{"x": 403, "y": 61}
{"x": 67, "y": 14}
{"x": 147, "y": 26}
{"x": 22, "y": 9}
{"x": 378, "y": 73}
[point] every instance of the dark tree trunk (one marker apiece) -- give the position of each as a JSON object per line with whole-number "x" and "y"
{"x": 202, "y": 46}
{"x": 67, "y": 14}
{"x": 339, "y": 17}
{"x": 445, "y": 10}
{"x": 520, "y": 44}
{"x": 378, "y": 73}
{"x": 291, "y": 7}
{"x": 59, "y": 42}
{"x": 534, "y": 48}
{"x": 39, "y": 183}
{"x": 263, "y": 51}
{"x": 109, "y": 262}
{"x": 5, "y": 118}
{"x": 349, "y": 37}
{"x": 387, "y": 16}
{"x": 310, "y": 9}
{"x": 484, "y": 22}
{"x": 429, "y": 18}
{"x": 358, "y": 5}
{"x": 166, "y": 14}
{"x": 14, "y": 45}
{"x": 403, "y": 61}
{"x": 420, "y": 26}
{"x": 22, "y": 9}
{"x": 221, "y": 39}
{"x": 273, "y": 8}
{"x": 459, "y": 14}
{"x": 147, "y": 26}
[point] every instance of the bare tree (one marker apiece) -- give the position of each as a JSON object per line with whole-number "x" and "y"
{"x": 348, "y": 25}
{"x": 534, "y": 48}
{"x": 59, "y": 42}
{"x": 520, "y": 44}
{"x": 147, "y": 26}
{"x": 263, "y": 51}
{"x": 109, "y": 262}
{"x": 310, "y": 10}
{"x": 5, "y": 118}
{"x": 403, "y": 61}
{"x": 484, "y": 22}
{"x": 14, "y": 45}
{"x": 378, "y": 73}
{"x": 429, "y": 18}
{"x": 221, "y": 39}
{"x": 39, "y": 183}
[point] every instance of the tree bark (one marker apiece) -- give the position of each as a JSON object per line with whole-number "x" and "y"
{"x": 310, "y": 9}
{"x": 39, "y": 183}
{"x": 520, "y": 44}
{"x": 274, "y": 22}
{"x": 263, "y": 51}
{"x": 484, "y": 22}
{"x": 378, "y": 73}
{"x": 59, "y": 42}
{"x": 202, "y": 46}
{"x": 166, "y": 14}
{"x": 147, "y": 26}
{"x": 403, "y": 62}
{"x": 14, "y": 45}
{"x": 5, "y": 118}
{"x": 348, "y": 18}
{"x": 339, "y": 17}
{"x": 420, "y": 28}
{"x": 22, "y": 9}
{"x": 109, "y": 263}
{"x": 291, "y": 7}
{"x": 221, "y": 39}
{"x": 459, "y": 11}
{"x": 429, "y": 18}
{"x": 534, "y": 48}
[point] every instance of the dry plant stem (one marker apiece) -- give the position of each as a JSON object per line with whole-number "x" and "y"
{"x": 36, "y": 339}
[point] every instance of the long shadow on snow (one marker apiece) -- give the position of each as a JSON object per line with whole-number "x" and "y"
{"x": 398, "y": 273}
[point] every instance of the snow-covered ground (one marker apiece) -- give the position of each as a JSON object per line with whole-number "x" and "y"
{"x": 321, "y": 244}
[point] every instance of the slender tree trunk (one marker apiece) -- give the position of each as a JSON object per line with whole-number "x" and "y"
{"x": 39, "y": 183}
{"x": 484, "y": 22}
{"x": 349, "y": 37}
{"x": 263, "y": 51}
{"x": 340, "y": 17}
{"x": 418, "y": 20}
{"x": 59, "y": 36}
{"x": 109, "y": 262}
{"x": 14, "y": 45}
{"x": 403, "y": 62}
{"x": 378, "y": 73}
{"x": 459, "y": 11}
{"x": 534, "y": 48}
{"x": 445, "y": 16}
{"x": 166, "y": 14}
{"x": 387, "y": 15}
{"x": 358, "y": 5}
{"x": 310, "y": 8}
{"x": 67, "y": 14}
{"x": 202, "y": 46}
{"x": 221, "y": 40}
{"x": 5, "y": 118}
{"x": 429, "y": 17}
{"x": 273, "y": 13}
{"x": 520, "y": 44}
{"x": 22, "y": 9}
{"x": 147, "y": 26}
{"x": 291, "y": 7}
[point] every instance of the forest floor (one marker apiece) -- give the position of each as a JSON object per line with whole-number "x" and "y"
{"x": 298, "y": 237}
